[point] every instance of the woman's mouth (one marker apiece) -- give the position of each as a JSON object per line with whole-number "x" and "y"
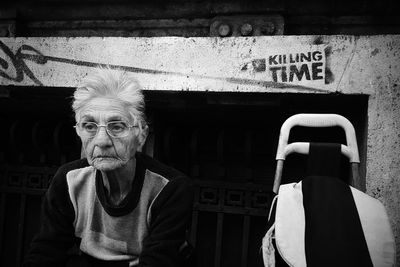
{"x": 104, "y": 157}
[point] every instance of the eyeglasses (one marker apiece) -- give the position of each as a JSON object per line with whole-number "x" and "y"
{"x": 117, "y": 129}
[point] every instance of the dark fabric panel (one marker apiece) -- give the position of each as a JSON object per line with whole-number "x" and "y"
{"x": 333, "y": 231}
{"x": 324, "y": 159}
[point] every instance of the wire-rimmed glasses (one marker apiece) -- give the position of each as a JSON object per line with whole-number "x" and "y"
{"x": 116, "y": 129}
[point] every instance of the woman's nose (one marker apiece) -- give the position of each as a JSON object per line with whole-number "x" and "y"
{"x": 102, "y": 138}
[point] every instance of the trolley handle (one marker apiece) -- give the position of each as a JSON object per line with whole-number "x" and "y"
{"x": 318, "y": 120}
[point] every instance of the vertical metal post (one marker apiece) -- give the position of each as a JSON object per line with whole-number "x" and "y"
{"x": 220, "y": 154}
{"x": 245, "y": 240}
{"x": 218, "y": 244}
{"x": 2, "y": 218}
{"x": 195, "y": 218}
{"x": 220, "y": 225}
{"x": 193, "y": 228}
{"x": 194, "y": 166}
{"x": 278, "y": 175}
{"x": 355, "y": 175}
{"x": 248, "y": 155}
{"x": 20, "y": 234}
{"x": 21, "y": 220}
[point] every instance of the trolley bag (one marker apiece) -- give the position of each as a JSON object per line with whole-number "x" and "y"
{"x": 322, "y": 221}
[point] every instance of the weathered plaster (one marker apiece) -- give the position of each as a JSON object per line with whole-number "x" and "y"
{"x": 173, "y": 63}
{"x": 354, "y": 65}
{"x": 383, "y": 151}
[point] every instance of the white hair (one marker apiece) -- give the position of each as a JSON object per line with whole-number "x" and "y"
{"x": 115, "y": 84}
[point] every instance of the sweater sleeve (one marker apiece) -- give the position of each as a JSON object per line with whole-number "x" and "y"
{"x": 171, "y": 213}
{"x": 49, "y": 247}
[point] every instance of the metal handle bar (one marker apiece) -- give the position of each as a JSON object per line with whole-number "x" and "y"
{"x": 304, "y": 148}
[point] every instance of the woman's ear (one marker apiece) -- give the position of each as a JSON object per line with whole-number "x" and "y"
{"x": 143, "y": 133}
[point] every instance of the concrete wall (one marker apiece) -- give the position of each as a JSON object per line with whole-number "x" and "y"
{"x": 368, "y": 65}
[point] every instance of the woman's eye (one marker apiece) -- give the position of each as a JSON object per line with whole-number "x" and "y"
{"x": 89, "y": 126}
{"x": 117, "y": 126}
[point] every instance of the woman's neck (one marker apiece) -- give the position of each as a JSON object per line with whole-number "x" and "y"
{"x": 119, "y": 182}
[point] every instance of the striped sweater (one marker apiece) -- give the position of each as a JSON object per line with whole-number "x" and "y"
{"x": 145, "y": 229}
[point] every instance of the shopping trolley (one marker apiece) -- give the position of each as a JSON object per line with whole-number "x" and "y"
{"x": 323, "y": 212}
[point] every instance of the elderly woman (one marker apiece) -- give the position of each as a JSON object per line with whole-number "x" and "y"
{"x": 118, "y": 205}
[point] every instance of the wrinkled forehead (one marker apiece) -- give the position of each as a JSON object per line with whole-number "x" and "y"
{"x": 104, "y": 109}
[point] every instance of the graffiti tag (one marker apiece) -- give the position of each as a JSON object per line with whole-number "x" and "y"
{"x": 18, "y": 61}
{"x": 27, "y": 52}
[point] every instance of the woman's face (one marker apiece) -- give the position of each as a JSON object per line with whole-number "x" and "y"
{"x": 102, "y": 151}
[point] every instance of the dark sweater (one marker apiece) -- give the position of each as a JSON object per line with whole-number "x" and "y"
{"x": 145, "y": 229}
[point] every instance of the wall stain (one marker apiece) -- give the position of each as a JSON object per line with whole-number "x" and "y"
{"x": 375, "y": 51}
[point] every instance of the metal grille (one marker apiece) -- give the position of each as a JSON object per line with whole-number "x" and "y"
{"x": 21, "y": 190}
{"x": 230, "y": 159}
{"x": 229, "y": 220}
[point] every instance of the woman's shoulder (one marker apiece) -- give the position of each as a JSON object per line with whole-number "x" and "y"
{"x": 159, "y": 168}
{"x": 60, "y": 175}
{"x": 73, "y": 165}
